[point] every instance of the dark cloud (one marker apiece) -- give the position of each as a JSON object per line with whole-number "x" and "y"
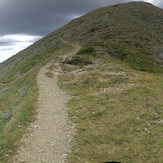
{"x": 6, "y": 42}
{"x": 39, "y": 17}
{"x": 7, "y": 49}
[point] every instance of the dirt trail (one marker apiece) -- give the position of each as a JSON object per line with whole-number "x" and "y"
{"x": 52, "y": 133}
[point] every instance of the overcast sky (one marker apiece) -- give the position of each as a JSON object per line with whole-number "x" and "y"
{"x": 22, "y": 22}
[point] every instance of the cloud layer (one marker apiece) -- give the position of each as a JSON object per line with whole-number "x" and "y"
{"x": 39, "y": 17}
{"x": 11, "y": 44}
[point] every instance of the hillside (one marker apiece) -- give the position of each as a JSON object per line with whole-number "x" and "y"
{"x": 115, "y": 82}
{"x": 41, "y": 46}
{"x": 131, "y": 32}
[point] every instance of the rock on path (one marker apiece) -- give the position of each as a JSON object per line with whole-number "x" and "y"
{"x": 52, "y": 133}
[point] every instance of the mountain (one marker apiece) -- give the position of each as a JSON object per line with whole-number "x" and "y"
{"x": 115, "y": 81}
{"x": 115, "y": 28}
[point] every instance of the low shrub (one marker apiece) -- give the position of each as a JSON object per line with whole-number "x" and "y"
{"x": 86, "y": 50}
{"x": 79, "y": 60}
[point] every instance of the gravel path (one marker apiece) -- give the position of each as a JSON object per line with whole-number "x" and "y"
{"x": 52, "y": 133}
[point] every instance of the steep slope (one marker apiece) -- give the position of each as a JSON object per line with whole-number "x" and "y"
{"x": 115, "y": 82}
{"x": 132, "y": 32}
{"x": 124, "y": 21}
{"x": 40, "y": 47}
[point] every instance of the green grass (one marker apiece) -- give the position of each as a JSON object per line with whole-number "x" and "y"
{"x": 18, "y": 103}
{"x": 137, "y": 57}
{"x": 115, "y": 125}
{"x": 84, "y": 56}
{"x": 79, "y": 60}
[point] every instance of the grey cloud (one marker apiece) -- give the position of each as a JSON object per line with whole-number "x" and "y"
{"x": 7, "y": 42}
{"x": 12, "y": 40}
{"x": 161, "y": 4}
{"x": 39, "y": 17}
{"x": 6, "y": 48}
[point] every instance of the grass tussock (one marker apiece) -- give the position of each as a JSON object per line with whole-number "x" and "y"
{"x": 49, "y": 74}
{"x": 84, "y": 57}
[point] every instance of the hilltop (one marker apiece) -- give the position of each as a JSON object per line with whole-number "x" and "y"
{"x": 114, "y": 80}
{"x": 131, "y": 32}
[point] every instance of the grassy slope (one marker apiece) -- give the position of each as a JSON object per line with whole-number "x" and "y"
{"x": 18, "y": 98}
{"x": 132, "y": 32}
{"x": 117, "y": 101}
{"x": 117, "y": 110}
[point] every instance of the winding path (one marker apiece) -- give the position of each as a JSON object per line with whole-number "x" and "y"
{"x": 52, "y": 133}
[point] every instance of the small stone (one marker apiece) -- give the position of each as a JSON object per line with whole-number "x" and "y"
{"x": 160, "y": 121}
{"x": 138, "y": 129}
{"x": 48, "y": 141}
{"x": 138, "y": 118}
{"x": 19, "y": 126}
{"x": 44, "y": 160}
{"x": 22, "y": 160}
{"x": 34, "y": 127}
